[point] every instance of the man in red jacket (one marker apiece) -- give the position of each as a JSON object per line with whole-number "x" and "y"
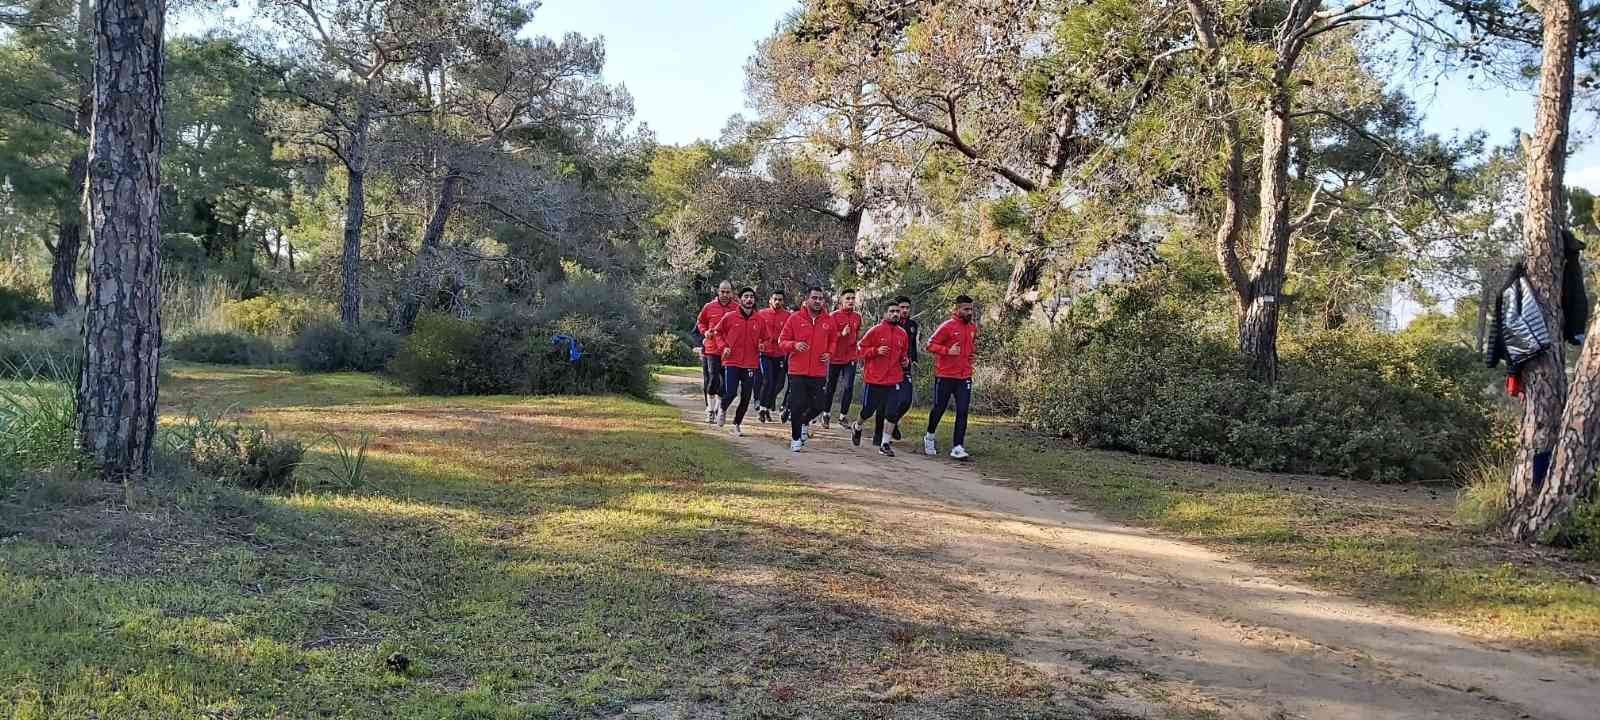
{"x": 742, "y": 335}
{"x": 952, "y": 346}
{"x": 711, "y": 348}
{"x": 808, "y": 337}
{"x": 774, "y": 363}
{"x": 883, "y": 359}
{"x": 847, "y": 323}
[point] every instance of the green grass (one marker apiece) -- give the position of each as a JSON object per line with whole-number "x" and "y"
{"x": 690, "y": 371}
{"x": 1402, "y": 546}
{"x": 505, "y": 558}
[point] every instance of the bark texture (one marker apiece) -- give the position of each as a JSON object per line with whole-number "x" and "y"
{"x": 122, "y": 324}
{"x": 355, "y": 213}
{"x": 432, "y": 237}
{"x": 1537, "y": 500}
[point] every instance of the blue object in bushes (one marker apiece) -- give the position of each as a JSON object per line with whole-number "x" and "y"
{"x": 574, "y": 350}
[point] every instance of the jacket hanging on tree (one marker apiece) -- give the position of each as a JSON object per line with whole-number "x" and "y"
{"x": 1518, "y": 333}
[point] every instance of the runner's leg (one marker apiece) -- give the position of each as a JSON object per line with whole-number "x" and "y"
{"x": 746, "y": 378}
{"x": 730, "y": 385}
{"x": 849, "y": 374}
{"x": 832, "y": 387}
{"x": 897, "y": 411}
{"x": 963, "y": 393}
{"x": 941, "y": 400}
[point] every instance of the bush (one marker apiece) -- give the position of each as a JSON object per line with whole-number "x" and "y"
{"x": 273, "y": 315}
{"x": 21, "y": 307}
{"x": 248, "y": 456}
{"x": 222, "y": 348}
{"x": 511, "y": 349}
{"x": 670, "y": 348}
{"x": 54, "y": 350}
{"x": 329, "y": 347}
{"x": 1147, "y": 378}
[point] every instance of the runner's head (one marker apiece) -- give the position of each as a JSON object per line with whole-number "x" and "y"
{"x": 816, "y": 299}
{"x": 776, "y": 302}
{"x": 904, "y": 303}
{"x": 891, "y": 314}
{"x": 847, "y": 299}
{"x": 964, "y": 308}
{"x": 747, "y": 298}
{"x": 725, "y": 292}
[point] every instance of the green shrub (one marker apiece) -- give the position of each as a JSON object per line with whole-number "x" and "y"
{"x": 511, "y": 349}
{"x": 55, "y": 349}
{"x": 222, "y": 348}
{"x": 1146, "y": 377}
{"x": 670, "y": 348}
{"x": 248, "y": 456}
{"x": 273, "y": 315}
{"x": 21, "y": 307}
{"x": 329, "y": 347}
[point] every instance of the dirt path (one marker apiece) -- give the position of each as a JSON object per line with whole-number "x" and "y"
{"x": 1149, "y": 612}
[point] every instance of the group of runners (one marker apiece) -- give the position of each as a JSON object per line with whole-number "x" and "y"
{"x": 813, "y": 353}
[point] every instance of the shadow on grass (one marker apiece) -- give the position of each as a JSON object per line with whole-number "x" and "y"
{"x": 546, "y": 557}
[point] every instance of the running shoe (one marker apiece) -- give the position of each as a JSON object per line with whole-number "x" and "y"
{"x": 959, "y": 453}
{"x": 896, "y": 434}
{"x": 855, "y": 435}
{"x": 711, "y": 414}
{"x": 886, "y": 450}
{"x": 928, "y": 445}
{"x": 722, "y": 416}
{"x": 827, "y": 422}
{"x": 738, "y": 431}
{"x": 795, "y": 445}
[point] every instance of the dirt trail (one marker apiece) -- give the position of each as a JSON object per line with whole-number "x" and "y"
{"x": 1086, "y": 592}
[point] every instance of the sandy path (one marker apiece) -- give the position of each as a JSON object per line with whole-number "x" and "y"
{"x": 1086, "y": 592}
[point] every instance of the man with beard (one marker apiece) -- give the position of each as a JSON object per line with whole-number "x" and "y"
{"x": 847, "y": 323}
{"x": 774, "y": 363}
{"x": 742, "y": 335}
{"x": 883, "y": 360}
{"x": 952, "y": 346}
{"x": 808, "y": 337}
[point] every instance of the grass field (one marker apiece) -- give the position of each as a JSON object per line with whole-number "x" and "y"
{"x": 504, "y": 558}
{"x": 1397, "y": 545}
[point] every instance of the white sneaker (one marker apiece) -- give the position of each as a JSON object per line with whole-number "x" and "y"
{"x": 959, "y": 453}
{"x": 737, "y": 431}
{"x": 928, "y": 445}
{"x": 722, "y": 417}
{"x": 795, "y": 445}
{"x": 805, "y": 433}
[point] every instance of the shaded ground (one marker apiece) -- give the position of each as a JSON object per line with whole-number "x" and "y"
{"x": 1152, "y": 616}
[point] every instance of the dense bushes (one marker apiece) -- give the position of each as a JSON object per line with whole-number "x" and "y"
{"x": 328, "y": 347}
{"x": 670, "y": 348}
{"x": 514, "y": 349}
{"x": 273, "y": 315}
{"x": 1147, "y": 378}
{"x": 221, "y": 348}
{"x": 52, "y": 350}
{"x": 250, "y": 456}
{"x": 21, "y": 307}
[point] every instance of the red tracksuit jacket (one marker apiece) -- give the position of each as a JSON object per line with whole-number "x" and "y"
{"x": 773, "y": 320}
{"x": 884, "y": 369}
{"x": 818, "y": 332}
{"x": 847, "y": 325}
{"x": 953, "y": 332}
{"x": 710, "y": 315}
{"x": 741, "y": 336}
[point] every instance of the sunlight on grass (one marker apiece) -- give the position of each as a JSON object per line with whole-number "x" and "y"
{"x": 506, "y": 557}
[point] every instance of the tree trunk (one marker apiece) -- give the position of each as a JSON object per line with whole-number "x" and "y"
{"x": 1534, "y": 508}
{"x": 1022, "y": 290}
{"x": 69, "y": 241}
{"x": 69, "y": 231}
{"x": 355, "y": 214}
{"x": 122, "y": 327}
{"x": 432, "y": 237}
{"x": 1258, "y": 327}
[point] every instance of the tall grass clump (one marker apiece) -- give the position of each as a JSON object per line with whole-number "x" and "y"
{"x": 47, "y": 351}
{"x": 1481, "y": 501}
{"x": 195, "y": 304}
{"x": 37, "y": 416}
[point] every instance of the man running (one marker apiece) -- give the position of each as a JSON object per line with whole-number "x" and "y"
{"x": 774, "y": 364}
{"x": 742, "y": 336}
{"x": 952, "y": 346}
{"x": 847, "y": 325}
{"x": 883, "y": 360}
{"x": 904, "y": 391}
{"x": 711, "y": 347}
{"x": 808, "y": 337}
